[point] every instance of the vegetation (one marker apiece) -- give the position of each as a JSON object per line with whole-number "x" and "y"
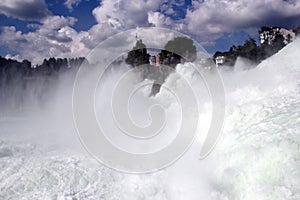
{"x": 138, "y": 55}
{"x": 17, "y": 77}
{"x": 17, "y": 74}
{"x": 252, "y": 51}
{"x": 11, "y": 68}
{"x": 177, "y": 50}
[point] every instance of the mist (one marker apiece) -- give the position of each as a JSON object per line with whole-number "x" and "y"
{"x": 42, "y": 155}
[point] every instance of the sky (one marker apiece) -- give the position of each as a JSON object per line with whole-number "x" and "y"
{"x": 38, "y": 29}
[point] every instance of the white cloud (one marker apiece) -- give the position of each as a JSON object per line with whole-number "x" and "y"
{"x": 54, "y": 38}
{"x": 14, "y": 57}
{"x": 125, "y": 13}
{"x": 209, "y": 19}
{"x": 52, "y": 28}
{"x": 56, "y": 22}
{"x": 158, "y": 19}
{"x": 70, "y": 3}
{"x": 24, "y": 9}
{"x": 97, "y": 34}
{"x": 206, "y": 20}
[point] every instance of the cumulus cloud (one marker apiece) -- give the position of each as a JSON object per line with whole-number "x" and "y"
{"x": 97, "y": 34}
{"x": 24, "y": 9}
{"x": 209, "y": 19}
{"x": 204, "y": 20}
{"x": 159, "y": 20}
{"x": 125, "y": 13}
{"x": 52, "y": 28}
{"x": 70, "y": 3}
{"x": 54, "y": 38}
{"x": 175, "y": 9}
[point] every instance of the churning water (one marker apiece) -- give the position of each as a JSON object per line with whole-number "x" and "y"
{"x": 257, "y": 156}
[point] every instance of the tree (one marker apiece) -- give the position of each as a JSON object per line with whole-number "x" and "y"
{"x": 183, "y": 47}
{"x": 249, "y": 50}
{"x": 278, "y": 42}
{"x": 289, "y": 38}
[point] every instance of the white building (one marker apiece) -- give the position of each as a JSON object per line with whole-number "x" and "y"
{"x": 155, "y": 60}
{"x": 220, "y": 60}
{"x": 289, "y": 35}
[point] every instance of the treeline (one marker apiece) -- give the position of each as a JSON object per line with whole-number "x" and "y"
{"x": 12, "y": 70}
{"x": 20, "y": 80}
{"x": 250, "y": 50}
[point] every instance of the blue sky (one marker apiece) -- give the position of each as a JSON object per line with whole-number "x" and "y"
{"x": 37, "y": 29}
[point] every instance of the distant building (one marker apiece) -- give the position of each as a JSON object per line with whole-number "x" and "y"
{"x": 289, "y": 35}
{"x": 220, "y": 60}
{"x": 157, "y": 59}
{"x": 268, "y": 35}
{"x": 152, "y": 60}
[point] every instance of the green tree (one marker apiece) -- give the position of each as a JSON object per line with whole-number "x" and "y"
{"x": 249, "y": 50}
{"x": 278, "y": 42}
{"x": 182, "y": 46}
{"x": 289, "y": 38}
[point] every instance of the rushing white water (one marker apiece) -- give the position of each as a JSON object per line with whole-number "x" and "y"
{"x": 257, "y": 157}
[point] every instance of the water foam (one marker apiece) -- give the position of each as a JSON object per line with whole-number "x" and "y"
{"x": 258, "y": 156}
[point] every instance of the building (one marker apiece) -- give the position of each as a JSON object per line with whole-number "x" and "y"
{"x": 220, "y": 60}
{"x": 268, "y": 34}
{"x": 152, "y": 60}
{"x": 155, "y": 60}
{"x": 289, "y": 35}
